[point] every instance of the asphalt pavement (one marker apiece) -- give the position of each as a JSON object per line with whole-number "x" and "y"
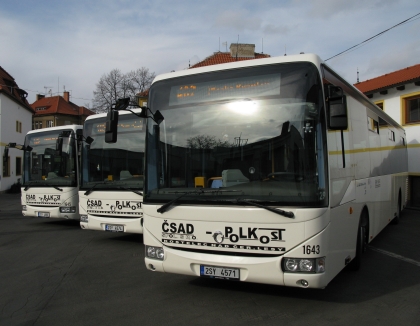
{"x": 54, "y": 273}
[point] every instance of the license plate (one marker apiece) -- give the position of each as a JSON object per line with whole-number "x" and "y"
{"x": 43, "y": 214}
{"x": 114, "y": 228}
{"x": 219, "y": 272}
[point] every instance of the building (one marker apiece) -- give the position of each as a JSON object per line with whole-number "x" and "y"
{"x": 238, "y": 52}
{"x": 142, "y": 97}
{"x": 398, "y": 94}
{"x": 15, "y": 121}
{"x": 57, "y": 111}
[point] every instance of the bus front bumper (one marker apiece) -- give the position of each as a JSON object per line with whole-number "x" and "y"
{"x": 265, "y": 270}
{"x": 70, "y": 213}
{"x": 99, "y": 223}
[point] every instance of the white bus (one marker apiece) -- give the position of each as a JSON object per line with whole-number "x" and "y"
{"x": 112, "y": 175}
{"x": 50, "y": 172}
{"x": 272, "y": 171}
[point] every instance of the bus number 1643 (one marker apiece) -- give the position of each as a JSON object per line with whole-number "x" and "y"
{"x": 307, "y": 250}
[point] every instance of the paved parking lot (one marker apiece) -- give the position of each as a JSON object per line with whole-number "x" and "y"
{"x": 54, "y": 273}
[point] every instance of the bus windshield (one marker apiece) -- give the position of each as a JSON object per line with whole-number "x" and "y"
{"x": 44, "y": 165}
{"x": 253, "y": 133}
{"x": 118, "y": 165}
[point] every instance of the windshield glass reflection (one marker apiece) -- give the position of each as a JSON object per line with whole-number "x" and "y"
{"x": 47, "y": 166}
{"x": 116, "y": 165}
{"x": 267, "y": 146}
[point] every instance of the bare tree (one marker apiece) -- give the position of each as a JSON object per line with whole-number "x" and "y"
{"x": 140, "y": 79}
{"x": 115, "y": 85}
{"x": 206, "y": 142}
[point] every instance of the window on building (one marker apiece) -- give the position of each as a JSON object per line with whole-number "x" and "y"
{"x": 38, "y": 124}
{"x": 373, "y": 125}
{"x": 10, "y": 84}
{"x": 18, "y": 166}
{"x": 50, "y": 123}
{"x": 380, "y": 104}
{"x": 411, "y": 109}
{"x": 19, "y": 126}
{"x": 6, "y": 166}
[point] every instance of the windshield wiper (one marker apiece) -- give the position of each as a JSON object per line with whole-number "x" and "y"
{"x": 256, "y": 204}
{"x": 165, "y": 207}
{"x": 90, "y": 190}
{"x": 128, "y": 189}
{"x": 55, "y": 187}
{"x": 31, "y": 183}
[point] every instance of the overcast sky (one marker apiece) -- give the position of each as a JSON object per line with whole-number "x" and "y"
{"x": 72, "y": 43}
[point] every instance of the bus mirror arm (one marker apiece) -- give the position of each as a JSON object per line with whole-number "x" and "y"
{"x": 111, "y": 127}
{"x": 124, "y": 103}
{"x": 156, "y": 117}
{"x": 19, "y": 147}
{"x": 79, "y": 137}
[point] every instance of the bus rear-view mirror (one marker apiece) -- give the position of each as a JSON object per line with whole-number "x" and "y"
{"x": 111, "y": 127}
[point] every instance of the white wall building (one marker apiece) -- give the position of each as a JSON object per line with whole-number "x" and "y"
{"x": 398, "y": 94}
{"x": 15, "y": 122}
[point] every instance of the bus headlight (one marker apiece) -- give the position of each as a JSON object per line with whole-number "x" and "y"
{"x": 68, "y": 209}
{"x": 303, "y": 265}
{"x": 84, "y": 218}
{"x": 155, "y": 252}
{"x": 23, "y": 207}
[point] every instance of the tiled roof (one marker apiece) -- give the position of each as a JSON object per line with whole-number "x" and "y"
{"x": 396, "y": 78}
{"x": 143, "y": 94}
{"x": 8, "y": 86}
{"x": 58, "y": 105}
{"x": 225, "y": 57}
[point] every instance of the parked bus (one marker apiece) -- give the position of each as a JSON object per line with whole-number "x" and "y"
{"x": 50, "y": 172}
{"x": 272, "y": 171}
{"x": 112, "y": 175}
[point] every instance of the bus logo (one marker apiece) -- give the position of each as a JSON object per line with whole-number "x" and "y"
{"x": 218, "y": 236}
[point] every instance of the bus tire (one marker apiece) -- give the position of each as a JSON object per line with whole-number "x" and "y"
{"x": 396, "y": 219}
{"x": 361, "y": 244}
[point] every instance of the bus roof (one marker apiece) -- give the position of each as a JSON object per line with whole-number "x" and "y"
{"x": 122, "y": 112}
{"x": 66, "y": 127}
{"x": 241, "y": 64}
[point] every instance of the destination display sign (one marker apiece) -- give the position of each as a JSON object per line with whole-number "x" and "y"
{"x": 227, "y": 89}
{"x": 123, "y": 126}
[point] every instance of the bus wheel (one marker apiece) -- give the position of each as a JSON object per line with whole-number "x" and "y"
{"x": 396, "y": 219}
{"x": 361, "y": 245}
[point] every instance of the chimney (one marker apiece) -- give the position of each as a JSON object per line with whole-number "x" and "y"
{"x": 66, "y": 96}
{"x": 238, "y": 50}
{"x": 39, "y": 96}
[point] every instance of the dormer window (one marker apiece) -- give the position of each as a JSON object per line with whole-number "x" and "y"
{"x": 10, "y": 84}
{"x": 41, "y": 108}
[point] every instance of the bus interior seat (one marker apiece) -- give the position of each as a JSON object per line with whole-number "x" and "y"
{"x": 125, "y": 174}
{"x": 233, "y": 177}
